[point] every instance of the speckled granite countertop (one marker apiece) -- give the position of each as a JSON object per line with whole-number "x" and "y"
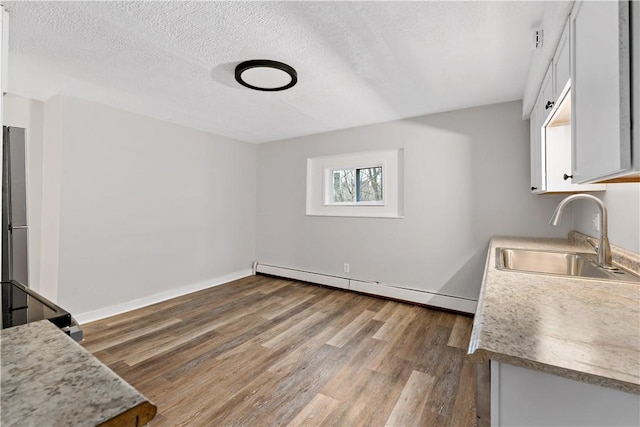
{"x": 583, "y": 329}
{"x": 49, "y": 380}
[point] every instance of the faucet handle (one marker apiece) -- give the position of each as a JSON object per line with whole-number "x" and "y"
{"x": 593, "y": 243}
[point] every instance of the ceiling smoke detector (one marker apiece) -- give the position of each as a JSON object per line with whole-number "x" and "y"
{"x": 266, "y": 75}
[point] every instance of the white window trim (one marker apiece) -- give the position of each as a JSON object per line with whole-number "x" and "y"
{"x": 319, "y": 191}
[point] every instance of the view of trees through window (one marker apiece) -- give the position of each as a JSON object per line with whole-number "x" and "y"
{"x": 357, "y": 185}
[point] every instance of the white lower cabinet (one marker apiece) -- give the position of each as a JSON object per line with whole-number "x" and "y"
{"x": 524, "y": 397}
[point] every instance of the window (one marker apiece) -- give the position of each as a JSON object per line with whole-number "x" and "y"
{"x": 359, "y": 184}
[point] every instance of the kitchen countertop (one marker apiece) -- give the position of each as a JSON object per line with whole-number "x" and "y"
{"x": 583, "y": 329}
{"x": 48, "y": 379}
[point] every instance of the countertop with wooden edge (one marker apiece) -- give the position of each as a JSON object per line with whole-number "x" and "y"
{"x": 48, "y": 379}
{"x": 583, "y": 329}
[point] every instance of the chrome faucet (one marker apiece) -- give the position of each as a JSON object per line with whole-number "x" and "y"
{"x": 604, "y": 249}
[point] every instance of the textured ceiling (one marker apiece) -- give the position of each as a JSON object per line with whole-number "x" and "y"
{"x": 358, "y": 62}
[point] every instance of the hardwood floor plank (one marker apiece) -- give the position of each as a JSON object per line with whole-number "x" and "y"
{"x": 114, "y": 339}
{"x": 182, "y": 358}
{"x": 374, "y": 397}
{"x": 378, "y": 360}
{"x": 269, "y": 351}
{"x": 283, "y": 338}
{"x": 433, "y": 351}
{"x": 174, "y": 305}
{"x": 342, "y": 337}
{"x": 463, "y": 412}
{"x": 439, "y": 406}
{"x": 279, "y": 325}
{"x": 212, "y": 378}
{"x": 167, "y": 344}
{"x": 398, "y": 321}
{"x": 346, "y": 307}
{"x": 409, "y": 407}
{"x": 316, "y": 411}
{"x": 418, "y": 338}
{"x": 344, "y": 384}
{"x": 267, "y": 285}
{"x": 286, "y": 305}
{"x": 461, "y": 332}
{"x": 279, "y": 401}
{"x": 299, "y": 356}
{"x": 445, "y": 318}
{"x": 224, "y": 345}
{"x": 411, "y": 340}
{"x": 131, "y": 317}
{"x": 386, "y": 310}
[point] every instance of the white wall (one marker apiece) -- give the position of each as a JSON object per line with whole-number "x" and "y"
{"x": 50, "y": 224}
{"x": 147, "y": 209}
{"x": 623, "y": 208}
{"x": 466, "y": 179}
{"x": 28, "y": 114}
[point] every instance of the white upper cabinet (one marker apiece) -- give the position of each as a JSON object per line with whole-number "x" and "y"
{"x": 561, "y": 64}
{"x": 538, "y": 182}
{"x": 601, "y": 91}
{"x": 550, "y": 124}
{"x": 556, "y": 139}
{"x": 546, "y": 91}
{"x": 540, "y": 111}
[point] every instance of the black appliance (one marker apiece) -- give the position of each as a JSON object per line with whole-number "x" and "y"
{"x": 21, "y": 305}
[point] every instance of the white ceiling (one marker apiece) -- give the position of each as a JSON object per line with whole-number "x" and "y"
{"x": 358, "y": 62}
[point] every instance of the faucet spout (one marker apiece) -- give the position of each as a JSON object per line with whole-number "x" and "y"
{"x": 604, "y": 249}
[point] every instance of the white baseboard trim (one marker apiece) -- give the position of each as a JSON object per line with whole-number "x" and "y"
{"x": 421, "y": 297}
{"x": 162, "y": 296}
{"x": 448, "y": 302}
{"x": 305, "y": 276}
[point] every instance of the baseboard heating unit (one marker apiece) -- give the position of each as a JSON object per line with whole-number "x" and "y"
{"x": 449, "y": 302}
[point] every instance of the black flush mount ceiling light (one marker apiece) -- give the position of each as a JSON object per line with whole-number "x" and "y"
{"x": 266, "y": 75}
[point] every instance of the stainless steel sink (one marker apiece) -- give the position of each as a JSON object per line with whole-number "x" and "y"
{"x": 577, "y": 264}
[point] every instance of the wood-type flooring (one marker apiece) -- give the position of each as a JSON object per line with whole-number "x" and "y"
{"x": 264, "y": 351}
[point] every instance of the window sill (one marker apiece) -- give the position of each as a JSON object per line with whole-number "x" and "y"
{"x": 356, "y": 215}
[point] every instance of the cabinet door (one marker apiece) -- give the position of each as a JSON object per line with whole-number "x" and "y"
{"x": 537, "y": 172}
{"x": 546, "y": 90}
{"x": 561, "y": 64}
{"x": 526, "y": 397}
{"x": 557, "y": 141}
{"x": 541, "y": 109}
{"x": 600, "y": 90}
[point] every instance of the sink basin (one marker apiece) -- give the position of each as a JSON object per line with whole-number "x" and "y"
{"x": 577, "y": 264}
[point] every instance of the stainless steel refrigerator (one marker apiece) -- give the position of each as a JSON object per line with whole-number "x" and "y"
{"x": 20, "y": 304}
{"x": 15, "y": 228}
